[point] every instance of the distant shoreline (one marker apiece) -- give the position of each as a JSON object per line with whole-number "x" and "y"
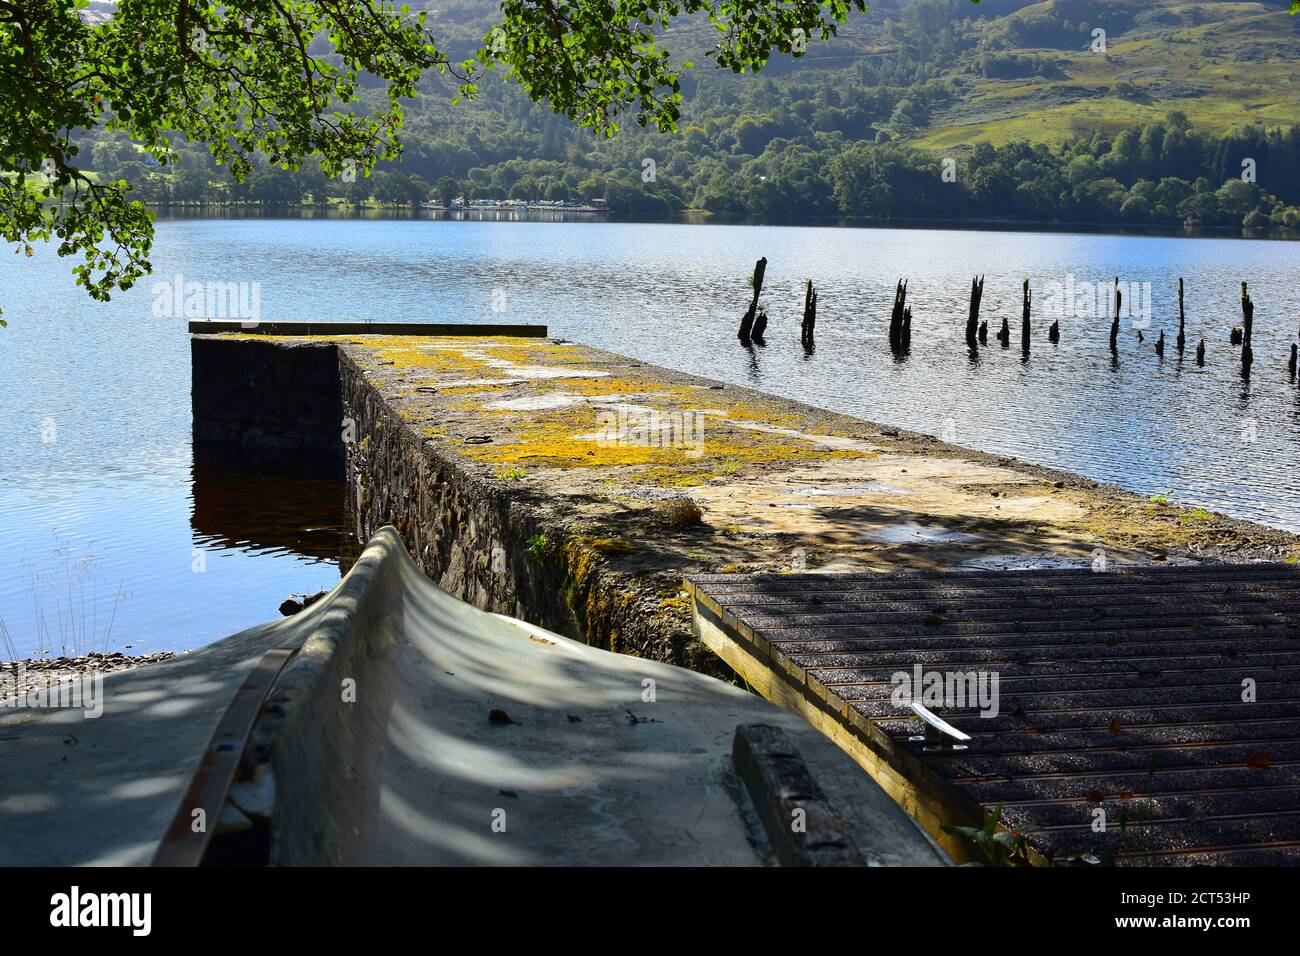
{"x": 699, "y": 217}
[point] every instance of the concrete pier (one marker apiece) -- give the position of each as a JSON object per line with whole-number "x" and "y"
{"x": 576, "y": 488}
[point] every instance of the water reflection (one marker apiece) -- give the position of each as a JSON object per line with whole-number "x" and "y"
{"x": 243, "y": 505}
{"x": 171, "y": 562}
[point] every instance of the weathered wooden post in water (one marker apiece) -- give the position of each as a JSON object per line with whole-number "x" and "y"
{"x": 760, "y": 326}
{"x": 1054, "y": 331}
{"x": 1200, "y": 353}
{"x": 809, "y": 314}
{"x": 1247, "y": 320}
{"x": 1290, "y": 365}
{"x": 1004, "y": 333}
{"x": 1024, "y": 318}
{"x": 984, "y": 333}
{"x": 747, "y": 323}
{"x": 973, "y": 317}
{"x": 898, "y": 317}
{"x": 1160, "y": 344}
{"x": 1182, "y": 337}
{"x": 1114, "y": 325}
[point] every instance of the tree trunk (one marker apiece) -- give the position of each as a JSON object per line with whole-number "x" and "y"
{"x": 1182, "y": 324}
{"x": 1248, "y": 320}
{"x": 747, "y": 323}
{"x": 973, "y": 316}
{"x": 1024, "y": 317}
{"x": 809, "y": 314}
{"x": 1114, "y": 325}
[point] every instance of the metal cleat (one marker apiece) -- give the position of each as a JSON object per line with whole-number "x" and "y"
{"x": 940, "y": 736}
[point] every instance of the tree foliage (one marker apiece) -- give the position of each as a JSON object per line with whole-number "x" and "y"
{"x": 276, "y": 79}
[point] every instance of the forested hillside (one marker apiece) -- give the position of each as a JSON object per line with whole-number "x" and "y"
{"x": 1040, "y": 117}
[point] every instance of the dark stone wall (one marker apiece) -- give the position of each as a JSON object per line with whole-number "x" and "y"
{"x": 267, "y": 402}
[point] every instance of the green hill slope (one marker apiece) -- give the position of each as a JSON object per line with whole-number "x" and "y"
{"x": 1025, "y": 70}
{"x": 1222, "y": 64}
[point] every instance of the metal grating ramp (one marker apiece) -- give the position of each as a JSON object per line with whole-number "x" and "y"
{"x": 1120, "y": 692}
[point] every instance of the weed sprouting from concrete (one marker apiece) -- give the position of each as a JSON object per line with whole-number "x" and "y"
{"x": 679, "y": 513}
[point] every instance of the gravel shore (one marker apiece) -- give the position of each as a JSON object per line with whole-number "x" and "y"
{"x": 20, "y": 676}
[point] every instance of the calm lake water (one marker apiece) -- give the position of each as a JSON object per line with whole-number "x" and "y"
{"x": 105, "y": 515}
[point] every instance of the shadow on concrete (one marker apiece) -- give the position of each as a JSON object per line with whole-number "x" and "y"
{"x": 888, "y": 537}
{"x": 479, "y": 740}
{"x": 76, "y": 790}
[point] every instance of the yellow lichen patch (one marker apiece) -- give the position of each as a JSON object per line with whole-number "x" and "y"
{"x": 523, "y": 351}
{"x": 610, "y": 545}
{"x": 555, "y": 439}
{"x": 564, "y": 438}
{"x": 480, "y": 355}
{"x": 678, "y": 603}
{"x": 475, "y": 388}
{"x": 614, "y": 386}
{"x": 436, "y": 358}
{"x": 286, "y": 339}
{"x": 685, "y": 397}
{"x": 764, "y": 412}
{"x": 673, "y": 477}
{"x": 484, "y": 396}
